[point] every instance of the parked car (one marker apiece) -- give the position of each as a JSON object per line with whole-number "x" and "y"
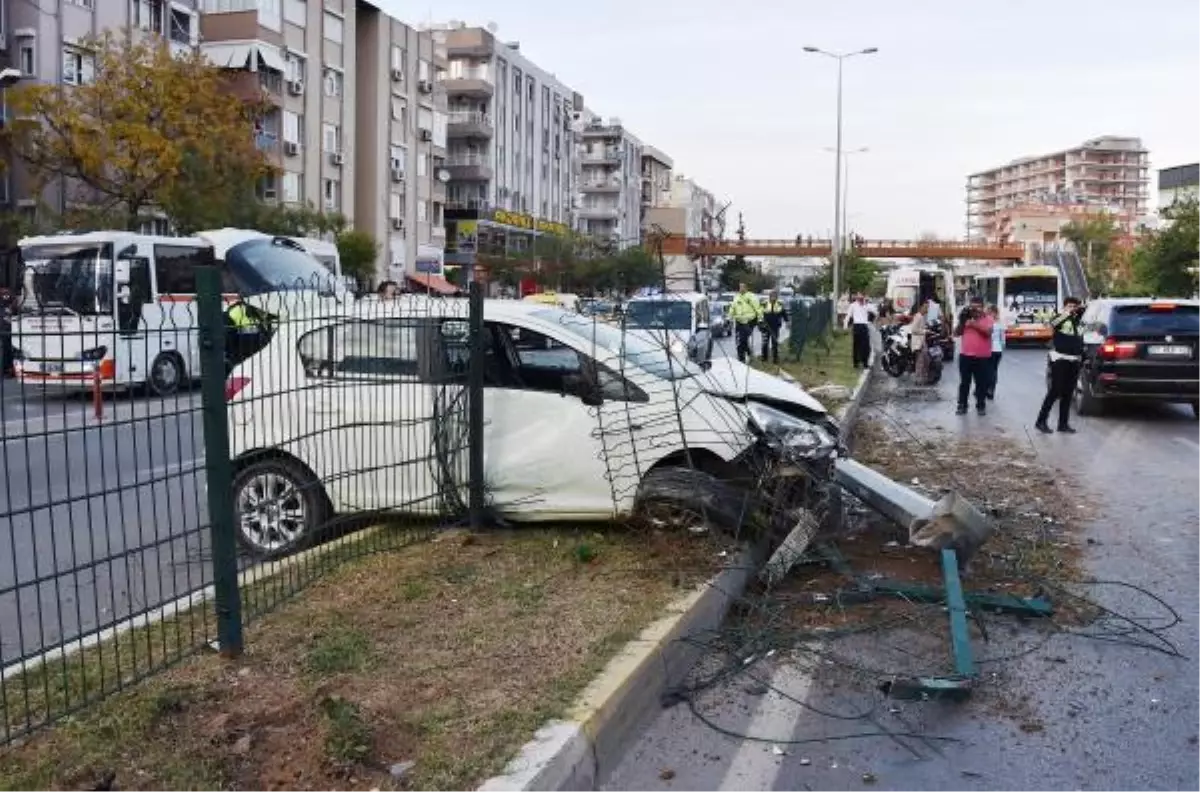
{"x": 720, "y": 325}
{"x": 565, "y": 400}
{"x": 679, "y": 321}
{"x": 1139, "y": 349}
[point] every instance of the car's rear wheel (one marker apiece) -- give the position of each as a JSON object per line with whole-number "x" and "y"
{"x": 278, "y": 507}
{"x": 167, "y": 374}
{"x": 1086, "y": 401}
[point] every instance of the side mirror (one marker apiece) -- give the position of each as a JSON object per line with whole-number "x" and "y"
{"x": 578, "y": 386}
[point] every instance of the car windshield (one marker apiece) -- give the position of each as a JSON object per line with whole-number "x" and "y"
{"x": 259, "y": 266}
{"x": 659, "y": 315}
{"x": 74, "y": 276}
{"x": 1155, "y": 320}
{"x": 634, "y": 350}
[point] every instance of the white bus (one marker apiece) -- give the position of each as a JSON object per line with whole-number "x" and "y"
{"x": 119, "y": 308}
{"x": 1028, "y": 298}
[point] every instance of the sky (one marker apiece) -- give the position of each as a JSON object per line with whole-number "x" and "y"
{"x": 958, "y": 86}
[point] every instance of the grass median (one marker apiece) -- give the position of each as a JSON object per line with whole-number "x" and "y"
{"x": 826, "y": 360}
{"x": 446, "y": 654}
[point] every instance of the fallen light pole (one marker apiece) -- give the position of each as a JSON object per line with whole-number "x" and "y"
{"x": 952, "y": 522}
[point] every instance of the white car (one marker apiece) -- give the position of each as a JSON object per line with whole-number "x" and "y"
{"x": 367, "y": 413}
{"x": 679, "y": 321}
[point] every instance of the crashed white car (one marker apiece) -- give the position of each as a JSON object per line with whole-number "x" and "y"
{"x": 366, "y": 412}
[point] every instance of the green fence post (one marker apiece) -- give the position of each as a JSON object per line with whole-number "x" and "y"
{"x": 475, "y": 503}
{"x": 218, "y": 469}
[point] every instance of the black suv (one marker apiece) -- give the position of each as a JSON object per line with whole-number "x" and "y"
{"x": 1139, "y": 348}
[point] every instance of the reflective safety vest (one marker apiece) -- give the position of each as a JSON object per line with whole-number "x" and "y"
{"x": 745, "y": 308}
{"x": 240, "y": 318}
{"x": 1068, "y": 334}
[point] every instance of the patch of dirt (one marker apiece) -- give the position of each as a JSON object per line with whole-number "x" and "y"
{"x": 448, "y": 654}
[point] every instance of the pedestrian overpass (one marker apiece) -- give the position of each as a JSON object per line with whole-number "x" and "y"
{"x": 676, "y": 245}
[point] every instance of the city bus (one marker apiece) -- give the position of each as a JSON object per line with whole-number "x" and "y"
{"x": 1028, "y": 298}
{"x": 117, "y": 309}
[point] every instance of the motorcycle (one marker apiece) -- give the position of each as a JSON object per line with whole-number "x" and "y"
{"x": 897, "y": 355}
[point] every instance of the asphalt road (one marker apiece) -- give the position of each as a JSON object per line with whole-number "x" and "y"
{"x": 1099, "y": 715}
{"x": 99, "y": 519}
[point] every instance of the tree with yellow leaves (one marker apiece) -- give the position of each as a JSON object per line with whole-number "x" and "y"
{"x": 150, "y": 129}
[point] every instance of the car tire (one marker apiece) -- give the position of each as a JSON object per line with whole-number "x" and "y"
{"x": 1196, "y": 410}
{"x": 1087, "y": 403}
{"x": 685, "y": 498}
{"x": 288, "y": 504}
{"x": 167, "y": 374}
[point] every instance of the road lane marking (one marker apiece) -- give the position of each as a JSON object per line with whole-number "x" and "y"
{"x": 757, "y": 765}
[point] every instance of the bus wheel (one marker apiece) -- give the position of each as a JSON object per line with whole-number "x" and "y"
{"x": 166, "y": 374}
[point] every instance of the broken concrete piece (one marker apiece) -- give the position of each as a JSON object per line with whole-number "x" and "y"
{"x": 790, "y": 550}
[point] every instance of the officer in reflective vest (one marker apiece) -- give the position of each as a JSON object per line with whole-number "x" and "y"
{"x": 774, "y": 316}
{"x": 1066, "y": 352}
{"x": 746, "y": 312}
{"x": 247, "y": 332}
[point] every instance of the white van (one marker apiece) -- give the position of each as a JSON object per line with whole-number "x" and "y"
{"x": 565, "y": 398}
{"x": 679, "y": 321}
{"x": 323, "y": 251}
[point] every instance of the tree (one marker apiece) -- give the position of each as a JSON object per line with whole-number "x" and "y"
{"x": 358, "y": 251}
{"x": 858, "y": 274}
{"x": 150, "y": 129}
{"x": 1164, "y": 263}
{"x": 1094, "y": 237}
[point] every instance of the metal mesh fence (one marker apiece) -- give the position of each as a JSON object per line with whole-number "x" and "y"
{"x": 810, "y": 320}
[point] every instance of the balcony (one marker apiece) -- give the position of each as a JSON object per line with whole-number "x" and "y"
{"x": 599, "y": 212}
{"x": 607, "y": 156}
{"x": 267, "y": 142}
{"x": 600, "y": 185}
{"x": 469, "y": 167}
{"x": 475, "y": 82}
{"x": 470, "y": 42}
{"x": 602, "y": 131}
{"x": 469, "y": 124}
{"x": 468, "y": 205}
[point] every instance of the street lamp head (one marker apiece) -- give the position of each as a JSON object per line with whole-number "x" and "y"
{"x": 811, "y": 49}
{"x": 870, "y": 50}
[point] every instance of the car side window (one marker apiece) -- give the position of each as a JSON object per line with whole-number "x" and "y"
{"x": 541, "y": 363}
{"x": 376, "y": 350}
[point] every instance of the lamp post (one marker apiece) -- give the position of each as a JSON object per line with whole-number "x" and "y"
{"x": 835, "y": 251}
{"x": 846, "y": 184}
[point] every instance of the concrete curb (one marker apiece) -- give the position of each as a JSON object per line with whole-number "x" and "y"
{"x": 575, "y": 753}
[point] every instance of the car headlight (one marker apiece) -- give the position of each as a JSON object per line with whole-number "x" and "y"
{"x": 794, "y": 433}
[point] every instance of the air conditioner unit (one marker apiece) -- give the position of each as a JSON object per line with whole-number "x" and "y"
{"x": 397, "y": 75}
{"x": 426, "y": 135}
{"x": 291, "y": 148}
{"x": 268, "y": 195}
{"x": 337, "y": 158}
{"x": 425, "y": 86}
{"x": 295, "y": 87}
{"x": 397, "y": 176}
{"x": 397, "y": 224}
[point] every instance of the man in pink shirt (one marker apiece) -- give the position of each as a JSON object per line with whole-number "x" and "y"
{"x": 974, "y": 329}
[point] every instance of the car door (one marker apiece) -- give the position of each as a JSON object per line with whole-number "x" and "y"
{"x": 543, "y": 451}
{"x": 373, "y": 415}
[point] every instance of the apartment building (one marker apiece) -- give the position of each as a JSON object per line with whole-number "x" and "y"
{"x": 1179, "y": 183}
{"x": 1106, "y": 174}
{"x": 691, "y": 211}
{"x": 609, "y": 206}
{"x": 40, "y": 39}
{"x": 510, "y": 154}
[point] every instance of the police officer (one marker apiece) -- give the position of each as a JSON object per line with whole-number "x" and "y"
{"x": 774, "y": 315}
{"x": 247, "y": 330}
{"x": 1065, "y": 354}
{"x": 746, "y": 312}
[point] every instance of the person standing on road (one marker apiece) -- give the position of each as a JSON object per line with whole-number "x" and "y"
{"x": 997, "y": 349}
{"x": 1066, "y": 351}
{"x": 746, "y": 311}
{"x": 774, "y": 317}
{"x": 916, "y": 341}
{"x": 858, "y": 318}
{"x": 974, "y": 355}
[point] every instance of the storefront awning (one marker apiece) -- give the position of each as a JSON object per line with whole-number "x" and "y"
{"x": 238, "y": 54}
{"x": 432, "y": 283}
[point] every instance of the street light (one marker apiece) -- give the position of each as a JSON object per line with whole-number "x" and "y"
{"x": 835, "y": 252}
{"x": 846, "y": 184}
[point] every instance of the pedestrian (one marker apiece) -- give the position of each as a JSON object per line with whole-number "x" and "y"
{"x": 774, "y": 317}
{"x": 974, "y": 328}
{"x": 1065, "y": 353}
{"x": 934, "y": 314}
{"x": 997, "y": 349}
{"x": 746, "y": 311}
{"x": 917, "y": 343}
{"x": 858, "y": 318}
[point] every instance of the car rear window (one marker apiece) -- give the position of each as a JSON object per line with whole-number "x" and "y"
{"x": 1151, "y": 320}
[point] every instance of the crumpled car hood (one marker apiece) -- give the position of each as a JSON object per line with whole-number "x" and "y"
{"x": 735, "y": 380}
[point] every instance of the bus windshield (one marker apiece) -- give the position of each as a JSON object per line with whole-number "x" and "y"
{"x": 76, "y": 277}
{"x": 658, "y": 315}
{"x": 1031, "y": 294}
{"x": 259, "y": 266}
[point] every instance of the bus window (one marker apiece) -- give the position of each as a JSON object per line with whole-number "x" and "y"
{"x": 175, "y": 268}
{"x": 989, "y": 290}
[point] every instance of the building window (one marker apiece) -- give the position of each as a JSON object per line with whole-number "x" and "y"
{"x": 423, "y": 70}
{"x": 331, "y": 137}
{"x": 184, "y": 27}
{"x": 331, "y": 190}
{"x": 424, "y": 119}
{"x": 398, "y": 61}
{"x": 83, "y": 3}
{"x": 422, "y": 166}
{"x": 422, "y": 210}
{"x": 270, "y": 14}
{"x": 400, "y": 110}
{"x": 395, "y": 206}
{"x": 296, "y": 12}
{"x": 293, "y": 126}
{"x": 26, "y": 55}
{"x": 296, "y": 67}
{"x": 333, "y": 27}
{"x": 397, "y": 157}
{"x": 293, "y": 188}
{"x": 148, "y": 15}
{"x": 333, "y": 83}
{"x": 78, "y": 68}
